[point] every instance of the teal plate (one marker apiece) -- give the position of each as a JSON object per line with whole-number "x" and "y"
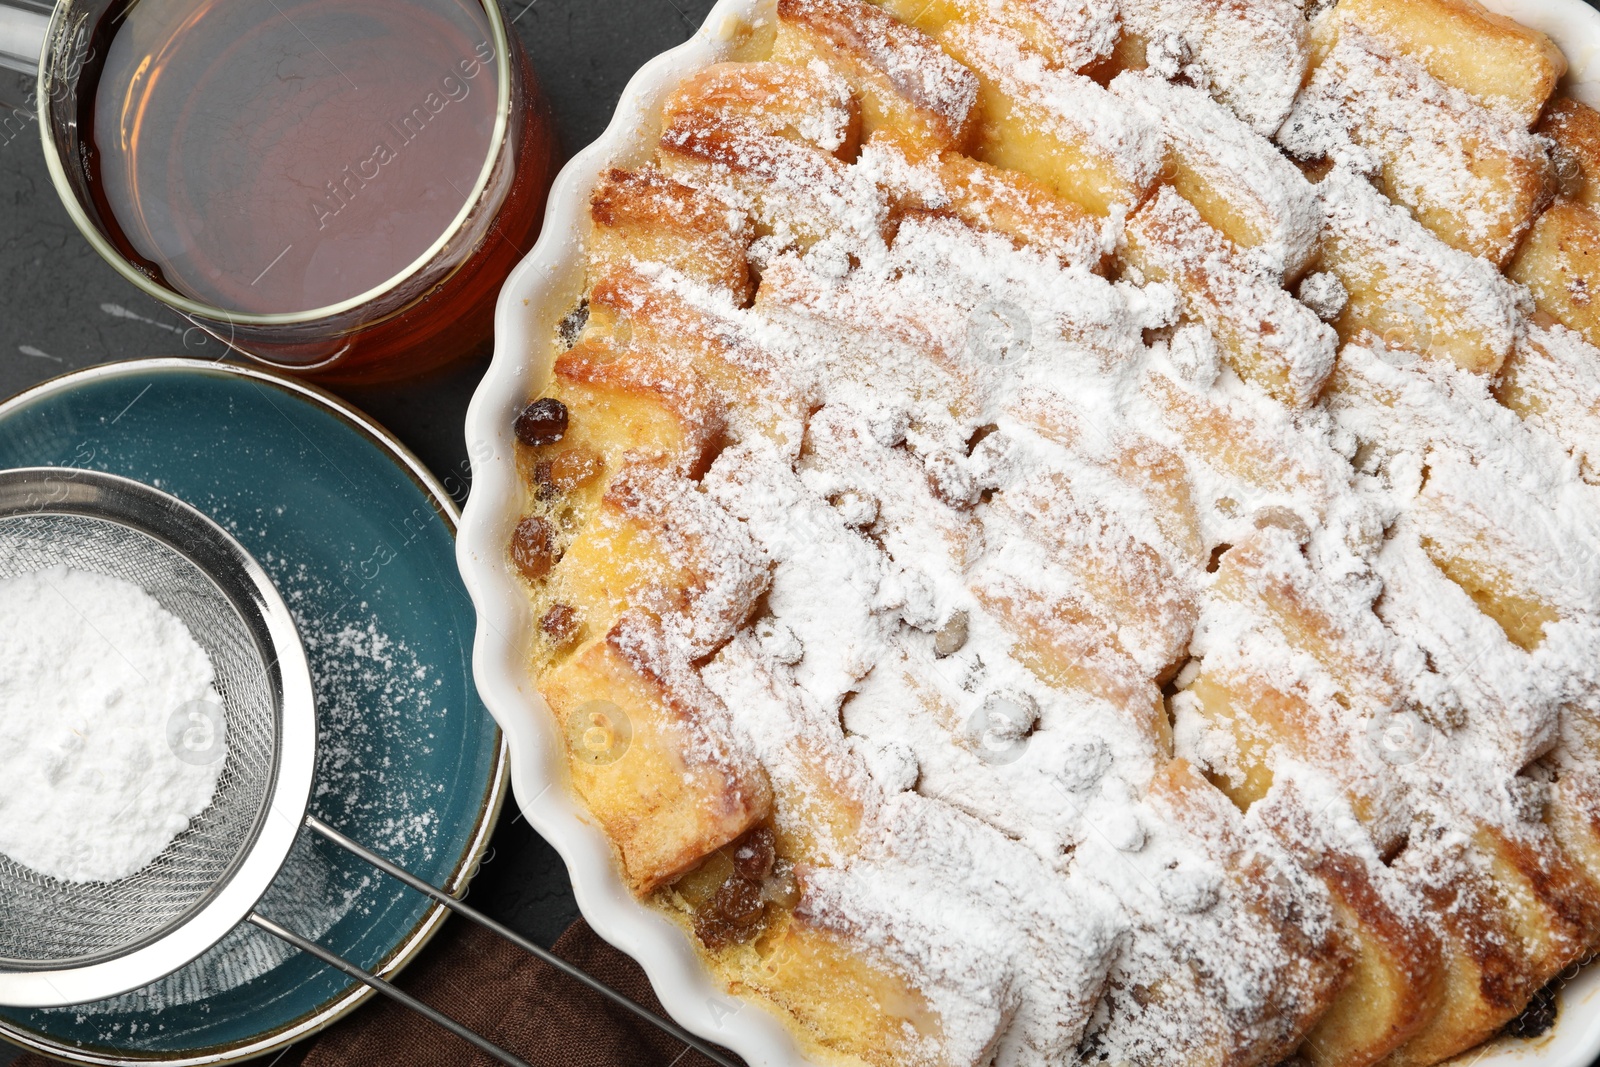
{"x": 360, "y": 541}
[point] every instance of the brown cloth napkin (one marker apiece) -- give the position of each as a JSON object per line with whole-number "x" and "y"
{"x": 520, "y": 1003}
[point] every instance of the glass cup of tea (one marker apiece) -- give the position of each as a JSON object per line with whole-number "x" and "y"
{"x": 336, "y": 188}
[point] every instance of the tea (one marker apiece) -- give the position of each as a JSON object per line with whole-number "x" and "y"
{"x": 272, "y": 156}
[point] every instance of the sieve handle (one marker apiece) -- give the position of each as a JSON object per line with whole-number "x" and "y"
{"x": 388, "y": 989}
{"x": 468, "y": 912}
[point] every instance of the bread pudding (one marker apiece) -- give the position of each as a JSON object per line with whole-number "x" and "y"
{"x": 1068, "y": 531}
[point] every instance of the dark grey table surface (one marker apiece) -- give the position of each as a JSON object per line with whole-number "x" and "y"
{"x": 62, "y": 308}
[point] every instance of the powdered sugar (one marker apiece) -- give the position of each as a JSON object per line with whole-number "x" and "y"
{"x": 1473, "y": 175}
{"x": 371, "y": 690}
{"x": 1263, "y": 188}
{"x": 1029, "y": 531}
{"x": 1429, "y": 297}
{"x": 1553, "y": 381}
{"x": 1252, "y": 57}
{"x": 1269, "y": 338}
{"x": 93, "y": 675}
{"x": 989, "y": 733}
{"x": 1080, "y": 31}
{"x": 1132, "y": 146}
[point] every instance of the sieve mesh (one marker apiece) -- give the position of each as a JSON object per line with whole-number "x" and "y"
{"x": 45, "y": 922}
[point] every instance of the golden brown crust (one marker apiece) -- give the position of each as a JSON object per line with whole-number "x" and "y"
{"x": 690, "y": 416}
{"x": 1560, "y": 263}
{"x": 642, "y": 215}
{"x": 1575, "y": 129}
{"x": 1321, "y": 957}
{"x": 784, "y": 186}
{"x": 1463, "y": 44}
{"x": 777, "y": 99}
{"x": 1068, "y": 38}
{"x": 1398, "y": 983}
{"x": 1515, "y": 916}
{"x": 1573, "y": 816}
{"x": 850, "y": 1006}
{"x": 989, "y": 198}
{"x": 674, "y": 800}
{"x": 1264, "y": 333}
{"x": 903, "y": 78}
{"x": 1029, "y": 128}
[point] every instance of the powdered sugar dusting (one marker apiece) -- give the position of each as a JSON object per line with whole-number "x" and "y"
{"x": 1104, "y": 623}
{"x": 1276, "y": 201}
{"x": 1252, "y": 57}
{"x": 1132, "y": 145}
{"x": 1553, "y": 381}
{"x": 1473, "y": 175}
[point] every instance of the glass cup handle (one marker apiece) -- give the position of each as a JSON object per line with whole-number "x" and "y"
{"x": 23, "y": 25}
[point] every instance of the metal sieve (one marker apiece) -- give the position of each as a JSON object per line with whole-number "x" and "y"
{"x": 64, "y": 944}
{"x": 69, "y": 944}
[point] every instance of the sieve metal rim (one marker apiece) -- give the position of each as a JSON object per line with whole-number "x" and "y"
{"x": 43, "y": 491}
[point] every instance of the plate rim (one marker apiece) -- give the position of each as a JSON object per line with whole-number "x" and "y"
{"x": 491, "y": 803}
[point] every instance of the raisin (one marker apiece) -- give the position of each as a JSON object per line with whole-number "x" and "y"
{"x": 739, "y": 902}
{"x": 952, "y": 636}
{"x": 733, "y": 916}
{"x": 753, "y": 857}
{"x": 560, "y": 623}
{"x": 572, "y": 324}
{"x": 1539, "y": 1016}
{"x": 533, "y": 548}
{"x": 574, "y": 468}
{"x": 543, "y": 486}
{"x": 543, "y": 422}
{"x": 714, "y": 933}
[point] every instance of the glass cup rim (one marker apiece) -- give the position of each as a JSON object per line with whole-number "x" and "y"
{"x": 188, "y": 306}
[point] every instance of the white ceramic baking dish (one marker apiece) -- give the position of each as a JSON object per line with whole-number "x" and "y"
{"x": 538, "y": 293}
